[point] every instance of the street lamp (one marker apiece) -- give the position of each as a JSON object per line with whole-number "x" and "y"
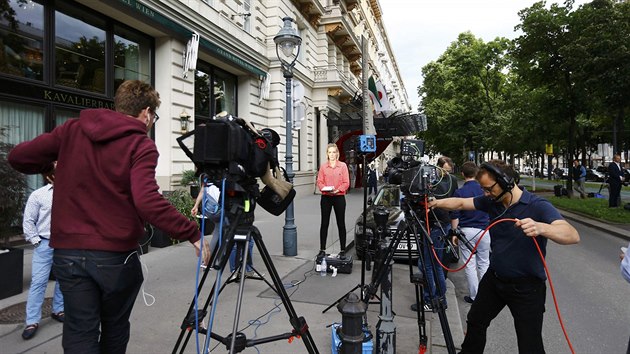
{"x": 286, "y": 41}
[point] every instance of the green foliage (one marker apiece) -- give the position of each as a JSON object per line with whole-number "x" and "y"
{"x": 592, "y": 207}
{"x": 12, "y": 191}
{"x": 189, "y": 178}
{"x": 182, "y": 201}
{"x": 564, "y": 81}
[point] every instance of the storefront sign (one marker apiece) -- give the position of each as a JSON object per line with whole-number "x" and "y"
{"x": 46, "y": 94}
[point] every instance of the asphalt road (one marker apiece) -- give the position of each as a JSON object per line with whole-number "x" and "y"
{"x": 592, "y": 297}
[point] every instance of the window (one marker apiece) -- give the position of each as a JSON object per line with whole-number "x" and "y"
{"x": 132, "y": 57}
{"x": 80, "y": 43}
{"x": 215, "y": 92}
{"x": 22, "y": 122}
{"x": 62, "y": 115}
{"x": 224, "y": 93}
{"x": 247, "y": 19}
{"x": 21, "y": 39}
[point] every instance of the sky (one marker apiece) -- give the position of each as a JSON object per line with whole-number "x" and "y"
{"x": 419, "y": 31}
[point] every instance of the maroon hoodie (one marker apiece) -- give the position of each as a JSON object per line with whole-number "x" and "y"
{"x": 104, "y": 182}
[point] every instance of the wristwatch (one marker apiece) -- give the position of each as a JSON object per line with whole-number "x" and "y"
{"x": 36, "y": 244}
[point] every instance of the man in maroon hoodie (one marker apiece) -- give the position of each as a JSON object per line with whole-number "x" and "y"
{"x": 106, "y": 190}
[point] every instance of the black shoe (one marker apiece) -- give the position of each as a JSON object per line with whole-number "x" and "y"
{"x": 468, "y": 299}
{"x": 59, "y": 316}
{"x": 321, "y": 254}
{"x": 29, "y": 331}
{"x": 342, "y": 255}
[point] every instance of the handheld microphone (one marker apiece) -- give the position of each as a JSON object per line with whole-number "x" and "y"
{"x": 462, "y": 238}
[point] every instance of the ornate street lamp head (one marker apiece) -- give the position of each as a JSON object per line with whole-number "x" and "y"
{"x": 286, "y": 41}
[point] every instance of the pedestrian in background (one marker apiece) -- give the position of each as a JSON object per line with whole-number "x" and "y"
{"x": 516, "y": 277}
{"x": 615, "y": 178}
{"x": 333, "y": 181}
{"x": 372, "y": 179}
{"x": 472, "y": 224}
{"x": 625, "y": 273}
{"x": 105, "y": 191}
{"x": 579, "y": 176}
{"x": 36, "y": 227}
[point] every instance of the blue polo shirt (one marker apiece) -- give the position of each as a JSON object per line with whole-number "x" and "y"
{"x": 513, "y": 254}
{"x": 470, "y": 218}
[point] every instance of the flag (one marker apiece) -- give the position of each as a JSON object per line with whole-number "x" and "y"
{"x": 378, "y": 95}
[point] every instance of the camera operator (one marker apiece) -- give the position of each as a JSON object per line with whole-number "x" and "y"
{"x": 104, "y": 191}
{"x": 516, "y": 276}
{"x": 439, "y": 224}
{"x": 472, "y": 224}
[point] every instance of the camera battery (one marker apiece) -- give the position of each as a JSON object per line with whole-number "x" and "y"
{"x": 343, "y": 265}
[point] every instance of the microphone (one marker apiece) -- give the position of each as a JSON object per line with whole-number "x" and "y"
{"x": 461, "y": 237}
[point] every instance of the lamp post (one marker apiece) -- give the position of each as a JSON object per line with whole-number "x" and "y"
{"x": 183, "y": 121}
{"x": 286, "y": 41}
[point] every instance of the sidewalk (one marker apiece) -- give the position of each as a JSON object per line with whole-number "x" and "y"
{"x": 169, "y": 285}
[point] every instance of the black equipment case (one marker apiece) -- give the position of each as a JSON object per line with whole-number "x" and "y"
{"x": 343, "y": 265}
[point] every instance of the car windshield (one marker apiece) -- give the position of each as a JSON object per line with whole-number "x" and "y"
{"x": 388, "y": 197}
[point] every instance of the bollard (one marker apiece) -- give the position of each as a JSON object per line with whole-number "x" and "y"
{"x": 352, "y": 311}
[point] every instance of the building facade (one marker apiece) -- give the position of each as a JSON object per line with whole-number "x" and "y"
{"x": 60, "y": 56}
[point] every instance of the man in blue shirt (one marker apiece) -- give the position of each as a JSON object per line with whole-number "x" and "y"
{"x": 36, "y": 227}
{"x": 579, "y": 176}
{"x": 472, "y": 224}
{"x": 516, "y": 276}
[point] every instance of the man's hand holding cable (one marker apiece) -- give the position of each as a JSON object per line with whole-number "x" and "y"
{"x": 205, "y": 251}
{"x": 530, "y": 227}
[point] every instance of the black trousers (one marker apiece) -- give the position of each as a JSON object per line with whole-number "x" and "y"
{"x": 615, "y": 194}
{"x": 327, "y": 203}
{"x": 99, "y": 290}
{"x": 525, "y": 297}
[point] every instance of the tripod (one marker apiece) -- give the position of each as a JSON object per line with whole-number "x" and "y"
{"x": 406, "y": 228}
{"x": 242, "y": 230}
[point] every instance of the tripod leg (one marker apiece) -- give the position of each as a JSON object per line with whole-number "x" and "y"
{"x": 299, "y": 324}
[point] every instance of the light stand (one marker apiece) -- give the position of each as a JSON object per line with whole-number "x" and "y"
{"x": 286, "y": 40}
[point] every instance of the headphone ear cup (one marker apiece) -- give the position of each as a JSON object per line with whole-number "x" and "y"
{"x": 505, "y": 182}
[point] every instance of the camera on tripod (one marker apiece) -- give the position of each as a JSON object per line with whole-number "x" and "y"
{"x": 414, "y": 176}
{"x": 231, "y": 149}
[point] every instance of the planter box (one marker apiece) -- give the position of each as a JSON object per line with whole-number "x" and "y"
{"x": 12, "y": 272}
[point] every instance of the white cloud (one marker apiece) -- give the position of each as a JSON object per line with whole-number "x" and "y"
{"x": 419, "y": 31}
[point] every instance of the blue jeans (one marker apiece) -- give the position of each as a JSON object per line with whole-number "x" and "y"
{"x": 99, "y": 289}
{"x": 248, "y": 264}
{"x": 430, "y": 291}
{"x": 42, "y": 263}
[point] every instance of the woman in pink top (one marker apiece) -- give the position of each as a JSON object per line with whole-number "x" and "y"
{"x": 333, "y": 181}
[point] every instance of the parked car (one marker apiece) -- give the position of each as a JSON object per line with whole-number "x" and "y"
{"x": 594, "y": 175}
{"x": 388, "y": 196}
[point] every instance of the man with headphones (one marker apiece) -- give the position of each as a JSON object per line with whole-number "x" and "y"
{"x": 516, "y": 276}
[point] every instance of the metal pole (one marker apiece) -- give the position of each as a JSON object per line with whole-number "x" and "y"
{"x": 289, "y": 231}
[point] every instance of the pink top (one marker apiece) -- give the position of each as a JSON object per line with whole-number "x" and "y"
{"x": 337, "y": 177}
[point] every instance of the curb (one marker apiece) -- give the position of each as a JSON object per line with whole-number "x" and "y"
{"x": 608, "y": 228}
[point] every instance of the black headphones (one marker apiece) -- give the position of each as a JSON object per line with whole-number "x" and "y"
{"x": 505, "y": 182}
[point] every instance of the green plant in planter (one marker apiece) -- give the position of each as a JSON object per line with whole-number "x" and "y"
{"x": 183, "y": 202}
{"x": 190, "y": 180}
{"x": 12, "y": 193}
